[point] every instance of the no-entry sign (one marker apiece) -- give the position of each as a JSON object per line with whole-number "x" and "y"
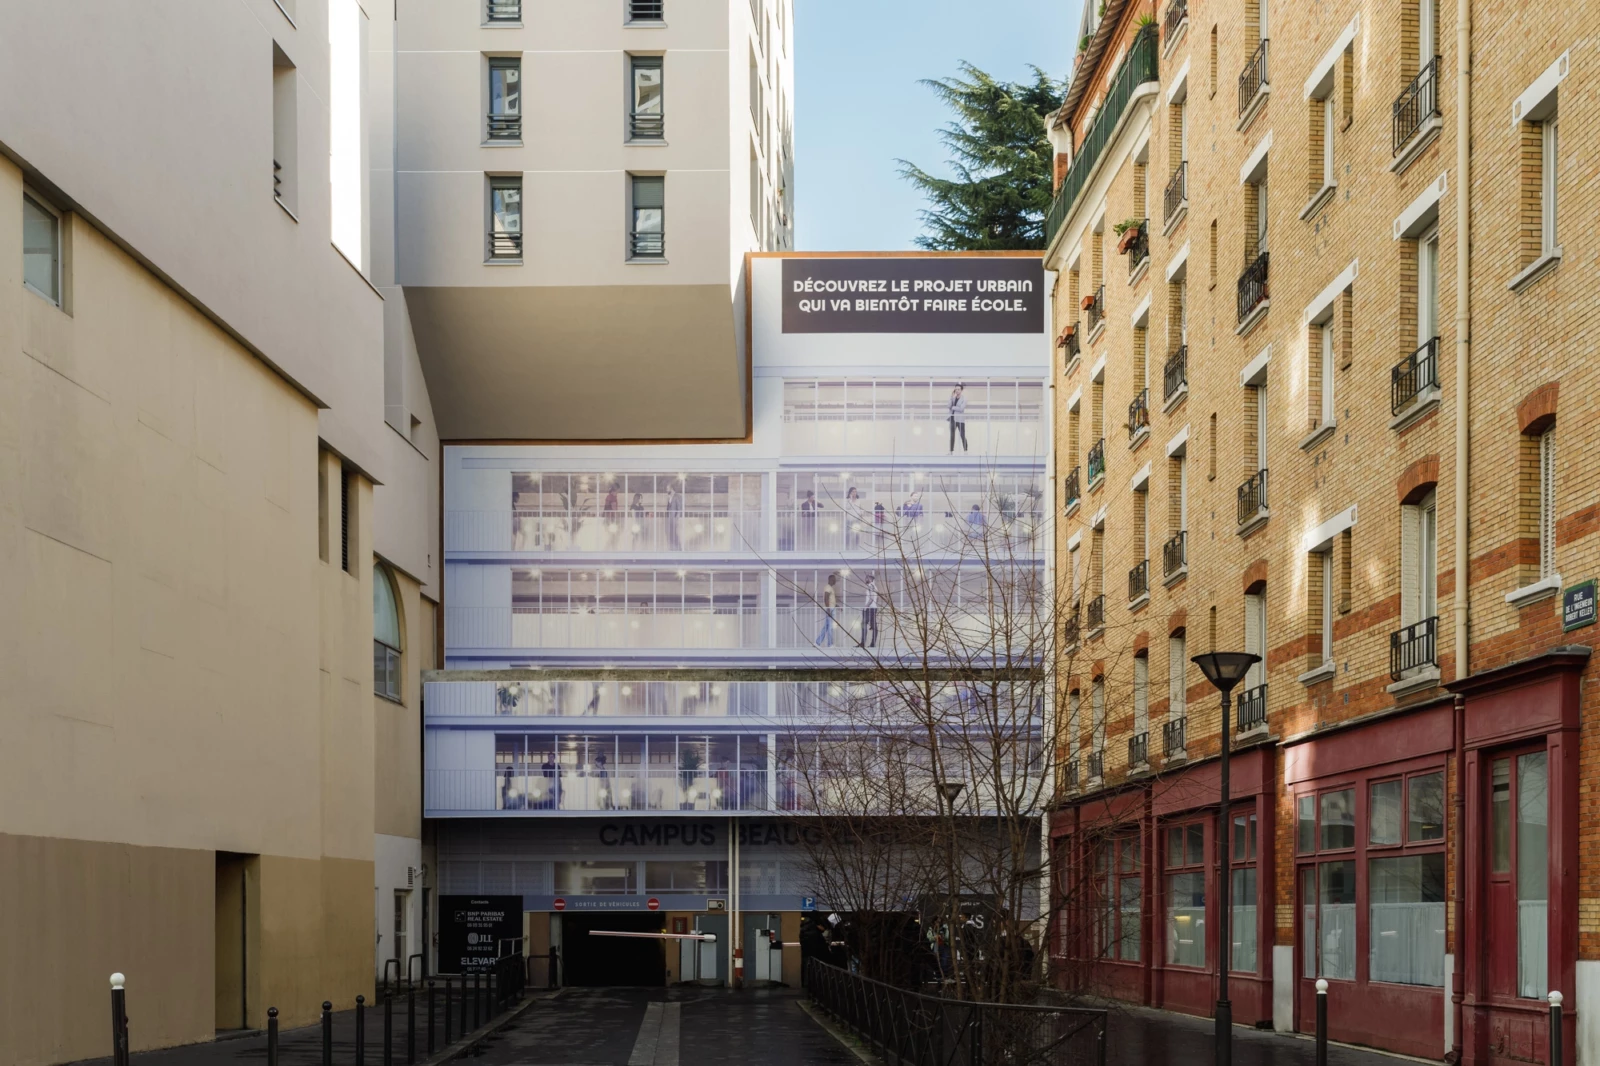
{"x": 559, "y": 904}
{"x": 652, "y": 903}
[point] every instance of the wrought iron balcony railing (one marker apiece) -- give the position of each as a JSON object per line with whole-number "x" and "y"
{"x": 505, "y": 127}
{"x": 1252, "y": 708}
{"x": 1253, "y": 77}
{"x": 1413, "y": 647}
{"x": 1071, "y": 488}
{"x": 1097, "y": 613}
{"x": 1413, "y": 374}
{"x": 1096, "y": 311}
{"x": 1072, "y": 629}
{"x": 1177, "y": 193}
{"x": 1073, "y": 345}
{"x": 1138, "y": 750}
{"x": 651, "y": 244}
{"x": 1139, "y": 413}
{"x": 1097, "y": 765}
{"x": 1175, "y": 375}
{"x": 647, "y": 126}
{"x": 503, "y": 11}
{"x": 505, "y": 245}
{"x": 1097, "y": 461}
{"x": 1139, "y": 250}
{"x": 1253, "y": 286}
{"x": 1176, "y": 14}
{"x": 1175, "y": 553}
{"x": 1071, "y": 774}
{"x": 1139, "y": 580}
{"x": 1253, "y": 496}
{"x": 1141, "y": 65}
{"x": 1416, "y": 103}
{"x": 1172, "y": 737}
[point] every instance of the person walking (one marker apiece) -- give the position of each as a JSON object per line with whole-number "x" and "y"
{"x": 830, "y": 602}
{"x": 958, "y": 416}
{"x": 869, "y": 613}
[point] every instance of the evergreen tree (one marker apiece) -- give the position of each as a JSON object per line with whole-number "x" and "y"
{"x": 1002, "y": 163}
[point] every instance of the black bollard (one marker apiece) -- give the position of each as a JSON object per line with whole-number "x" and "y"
{"x": 1556, "y": 1058}
{"x": 477, "y": 1001}
{"x": 119, "y": 1021}
{"x": 272, "y": 1036}
{"x": 388, "y": 1025}
{"x": 430, "y": 1017}
{"x": 411, "y": 1020}
{"x": 1322, "y": 1022}
{"x": 449, "y": 1002}
{"x": 327, "y": 1033}
{"x": 361, "y": 1031}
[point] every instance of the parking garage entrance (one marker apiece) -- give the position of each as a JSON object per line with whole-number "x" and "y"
{"x": 605, "y": 961}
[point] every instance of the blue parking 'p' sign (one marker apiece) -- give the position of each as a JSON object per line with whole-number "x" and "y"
{"x": 808, "y": 903}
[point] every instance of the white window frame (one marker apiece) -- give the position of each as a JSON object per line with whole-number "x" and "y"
{"x": 1549, "y": 149}
{"x": 1177, "y": 676}
{"x": 57, "y": 232}
{"x": 1547, "y": 503}
{"x": 1427, "y": 286}
{"x": 1261, "y": 216}
{"x": 1141, "y": 693}
{"x": 1428, "y": 557}
{"x": 1097, "y": 711}
{"x": 1329, "y": 123}
{"x": 1327, "y": 561}
{"x": 1183, "y": 491}
{"x": 1261, "y": 425}
{"x": 1427, "y": 48}
{"x": 1255, "y": 637}
{"x": 1325, "y": 369}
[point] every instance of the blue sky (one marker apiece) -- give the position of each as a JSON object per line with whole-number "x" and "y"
{"x": 859, "y": 107}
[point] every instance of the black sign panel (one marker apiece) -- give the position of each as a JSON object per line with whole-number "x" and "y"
{"x": 473, "y": 930}
{"x": 958, "y": 294}
{"x": 1577, "y": 606}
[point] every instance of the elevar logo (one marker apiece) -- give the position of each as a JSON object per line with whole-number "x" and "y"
{"x": 956, "y": 294}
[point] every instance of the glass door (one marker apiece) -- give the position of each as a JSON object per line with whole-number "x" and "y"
{"x": 1518, "y": 894}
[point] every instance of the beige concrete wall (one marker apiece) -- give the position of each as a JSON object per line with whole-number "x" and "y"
{"x": 398, "y": 726}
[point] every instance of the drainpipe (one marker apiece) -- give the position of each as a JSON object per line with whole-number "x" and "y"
{"x": 1463, "y": 487}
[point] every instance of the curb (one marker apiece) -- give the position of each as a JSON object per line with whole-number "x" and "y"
{"x": 468, "y": 1043}
{"x": 845, "y": 1039}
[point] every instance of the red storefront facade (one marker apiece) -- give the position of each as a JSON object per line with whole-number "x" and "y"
{"x": 1136, "y": 871}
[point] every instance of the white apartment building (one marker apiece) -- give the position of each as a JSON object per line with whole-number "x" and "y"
{"x": 576, "y": 186}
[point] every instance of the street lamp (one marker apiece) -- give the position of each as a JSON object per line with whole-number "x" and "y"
{"x": 952, "y": 792}
{"x": 1225, "y": 669}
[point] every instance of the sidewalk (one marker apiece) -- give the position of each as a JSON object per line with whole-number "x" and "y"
{"x": 1141, "y": 1036}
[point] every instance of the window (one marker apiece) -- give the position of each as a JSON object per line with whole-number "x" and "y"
{"x": 1406, "y": 887}
{"x": 1242, "y": 894}
{"x": 1097, "y": 714}
{"x": 1520, "y": 856}
{"x": 1427, "y": 287}
{"x": 1141, "y": 693}
{"x": 502, "y": 11}
{"x": 1177, "y": 672}
{"x": 1211, "y": 454}
{"x": 285, "y": 169}
{"x": 347, "y": 525}
{"x": 1324, "y": 564}
{"x": 41, "y": 249}
{"x": 1329, "y": 124}
{"x": 1261, "y": 209}
{"x": 402, "y": 924}
{"x": 1547, "y": 502}
{"x": 1119, "y": 869}
{"x": 1255, "y": 636}
{"x": 1213, "y": 61}
{"x": 647, "y": 234}
{"x": 1186, "y": 894}
{"x": 505, "y": 217}
{"x": 1548, "y": 160}
{"x": 755, "y": 190}
{"x": 1419, "y": 560}
{"x": 1326, "y": 823}
{"x": 385, "y": 636}
{"x": 1324, "y": 370}
{"x": 505, "y": 99}
{"x": 646, "y": 120}
{"x": 646, "y": 10}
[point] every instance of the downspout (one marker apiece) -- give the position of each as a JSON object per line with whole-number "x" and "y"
{"x": 1463, "y": 487}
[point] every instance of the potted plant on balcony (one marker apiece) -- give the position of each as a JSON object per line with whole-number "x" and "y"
{"x": 1127, "y": 232}
{"x": 1088, "y": 301}
{"x": 1066, "y": 336}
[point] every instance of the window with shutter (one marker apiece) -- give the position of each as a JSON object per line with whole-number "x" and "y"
{"x": 1410, "y": 541}
{"x": 1177, "y": 662}
{"x": 1141, "y": 693}
{"x": 1547, "y": 502}
{"x": 1255, "y": 628}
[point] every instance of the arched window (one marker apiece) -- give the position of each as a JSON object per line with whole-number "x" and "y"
{"x": 385, "y": 636}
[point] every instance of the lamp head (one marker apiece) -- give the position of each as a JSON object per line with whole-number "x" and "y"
{"x": 1225, "y": 669}
{"x": 952, "y": 790}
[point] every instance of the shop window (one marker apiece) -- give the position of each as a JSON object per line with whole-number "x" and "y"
{"x": 1242, "y": 894}
{"x": 1519, "y": 834}
{"x": 1405, "y": 888}
{"x": 1119, "y": 871}
{"x": 1186, "y": 894}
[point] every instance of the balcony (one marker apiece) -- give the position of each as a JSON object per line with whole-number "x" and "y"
{"x": 505, "y": 244}
{"x": 1072, "y": 629}
{"x": 1140, "y": 66}
{"x": 1139, "y": 582}
{"x": 1071, "y": 489}
{"x": 1175, "y": 555}
{"x": 1097, "y": 765}
{"x": 646, "y": 10}
{"x": 1139, "y": 416}
{"x": 1175, "y": 201}
{"x": 1175, "y": 375}
{"x": 1416, "y": 104}
{"x": 1413, "y": 376}
{"x": 647, "y": 126}
{"x": 647, "y": 244}
{"x": 1253, "y": 709}
{"x": 1173, "y": 744}
{"x": 1253, "y": 295}
{"x": 1071, "y": 345}
{"x": 505, "y": 127}
{"x": 1097, "y": 462}
{"x": 1097, "y": 614}
{"x": 622, "y": 788}
{"x": 1253, "y": 83}
{"x": 1138, "y": 751}
{"x": 1139, "y": 249}
{"x": 1070, "y": 774}
{"x": 1173, "y": 19}
{"x": 1414, "y": 648}
{"x": 1095, "y": 310}
{"x": 1253, "y": 501}
{"x": 503, "y": 11}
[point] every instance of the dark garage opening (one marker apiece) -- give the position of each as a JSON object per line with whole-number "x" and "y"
{"x": 590, "y": 961}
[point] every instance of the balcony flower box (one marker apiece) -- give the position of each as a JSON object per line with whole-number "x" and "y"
{"x": 1129, "y": 235}
{"x": 1088, "y": 301}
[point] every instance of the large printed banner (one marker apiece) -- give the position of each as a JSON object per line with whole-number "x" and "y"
{"x": 960, "y": 294}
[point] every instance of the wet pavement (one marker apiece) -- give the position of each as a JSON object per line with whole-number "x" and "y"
{"x": 1142, "y": 1037}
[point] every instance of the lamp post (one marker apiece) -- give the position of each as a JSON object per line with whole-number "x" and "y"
{"x": 1225, "y": 669}
{"x": 951, "y": 791}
